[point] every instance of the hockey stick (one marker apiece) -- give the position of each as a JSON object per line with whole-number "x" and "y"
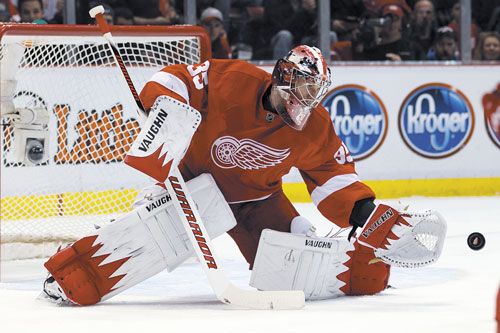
{"x": 202, "y": 245}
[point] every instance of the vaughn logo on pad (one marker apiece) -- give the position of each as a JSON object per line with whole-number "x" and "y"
{"x": 154, "y": 129}
{"x": 158, "y": 203}
{"x": 164, "y": 138}
{"x": 317, "y": 243}
{"x": 384, "y": 217}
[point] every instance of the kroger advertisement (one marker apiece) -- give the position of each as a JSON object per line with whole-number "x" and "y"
{"x": 417, "y": 122}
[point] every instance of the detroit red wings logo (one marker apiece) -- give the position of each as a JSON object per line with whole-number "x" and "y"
{"x": 228, "y": 152}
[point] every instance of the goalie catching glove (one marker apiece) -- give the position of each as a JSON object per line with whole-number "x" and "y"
{"x": 331, "y": 267}
{"x": 402, "y": 238}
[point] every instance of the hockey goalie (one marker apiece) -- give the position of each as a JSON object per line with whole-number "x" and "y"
{"x": 233, "y": 131}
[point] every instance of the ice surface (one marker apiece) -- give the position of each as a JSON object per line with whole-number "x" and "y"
{"x": 457, "y": 294}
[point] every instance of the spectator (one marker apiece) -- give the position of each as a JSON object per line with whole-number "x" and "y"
{"x": 31, "y": 11}
{"x": 482, "y": 12}
{"x": 167, "y": 10}
{"x": 345, "y": 16}
{"x": 5, "y": 15}
{"x": 390, "y": 40}
{"x": 423, "y": 26}
{"x": 455, "y": 25}
{"x": 262, "y": 34}
{"x": 445, "y": 46}
{"x": 53, "y": 11}
{"x": 109, "y": 14}
{"x": 14, "y": 13}
{"x": 211, "y": 20}
{"x": 488, "y": 47}
{"x": 380, "y": 35}
{"x": 300, "y": 28}
{"x": 148, "y": 12}
{"x": 124, "y": 16}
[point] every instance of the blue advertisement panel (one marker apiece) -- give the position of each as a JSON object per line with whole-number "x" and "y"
{"x": 359, "y": 118}
{"x": 436, "y": 120}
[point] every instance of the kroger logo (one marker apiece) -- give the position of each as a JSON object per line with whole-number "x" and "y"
{"x": 436, "y": 120}
{"x": 359, "y": 118}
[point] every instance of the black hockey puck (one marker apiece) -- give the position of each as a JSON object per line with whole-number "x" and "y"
{"x": 476, "y": 241}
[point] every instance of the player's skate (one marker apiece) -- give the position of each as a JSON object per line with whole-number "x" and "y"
{"x": 53, "y": 292}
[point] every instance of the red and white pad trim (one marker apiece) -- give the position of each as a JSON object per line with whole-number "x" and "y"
{"x": 136, "y": 246}
{"x": 164, "y": 138}
{"x": 286, "y": 261}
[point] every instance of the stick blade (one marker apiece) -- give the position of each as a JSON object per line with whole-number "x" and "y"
{"x": 263, "y": 300}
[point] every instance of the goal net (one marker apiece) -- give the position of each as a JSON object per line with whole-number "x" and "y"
{"x": 68, "y": 120}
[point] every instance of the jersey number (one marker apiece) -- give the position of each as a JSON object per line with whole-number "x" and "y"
{"x": 199, "y": 74}
{"x": 342, "y": 155}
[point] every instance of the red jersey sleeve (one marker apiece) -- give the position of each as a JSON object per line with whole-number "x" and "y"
{"x": 331, "y": 178}
{"x": 186, "y": 83}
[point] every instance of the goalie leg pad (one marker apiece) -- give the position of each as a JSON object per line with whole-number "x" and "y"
{"x": 136, "y": 246}
{"x": 74, "y": 277}
{"x": 364, "y": 278}
{"x": 321, "y": 267}
{"x": 287, "y": 261}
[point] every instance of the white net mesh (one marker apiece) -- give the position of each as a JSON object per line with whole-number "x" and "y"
{"x": 80, "y": 181}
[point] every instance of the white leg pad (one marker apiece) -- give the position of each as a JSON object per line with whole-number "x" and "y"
{"x": 287, "y": 261}
{"x": 152, "y": 236}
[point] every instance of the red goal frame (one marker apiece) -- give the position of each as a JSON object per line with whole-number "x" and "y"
{"x": 17, "y": 29}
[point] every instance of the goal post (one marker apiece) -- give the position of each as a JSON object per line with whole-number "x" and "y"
{"x": 67, "y": 122}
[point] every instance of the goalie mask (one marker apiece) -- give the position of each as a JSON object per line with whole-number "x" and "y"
{"x": 302, "y": 80}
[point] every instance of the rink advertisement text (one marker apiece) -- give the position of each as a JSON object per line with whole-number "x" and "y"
{"x": 436, "y": 118}
{"x": 405, "y": 122}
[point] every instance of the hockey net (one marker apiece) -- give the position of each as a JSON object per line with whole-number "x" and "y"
{"x": 68, "y": 120}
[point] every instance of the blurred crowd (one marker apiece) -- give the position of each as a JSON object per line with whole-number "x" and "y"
{"x": 367, "y": 30}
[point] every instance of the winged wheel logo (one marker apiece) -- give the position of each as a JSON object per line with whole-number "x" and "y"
{"x": 228, "y": 152}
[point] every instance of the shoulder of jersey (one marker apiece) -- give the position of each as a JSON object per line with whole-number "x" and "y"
{"x": 240, "y": 66}
{"x": 320, "y": 118}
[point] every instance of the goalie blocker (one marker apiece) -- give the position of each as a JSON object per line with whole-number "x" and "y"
{"x": 135, "y": 247}
{"x": 329, "y": 267}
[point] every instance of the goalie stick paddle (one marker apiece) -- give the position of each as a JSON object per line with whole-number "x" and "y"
{"x": 225, "y": 291}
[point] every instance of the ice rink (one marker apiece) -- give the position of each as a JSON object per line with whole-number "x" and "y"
{"x": 457, "y": 294}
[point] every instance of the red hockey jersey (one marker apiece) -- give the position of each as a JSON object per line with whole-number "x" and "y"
{"x": 248, "y": 149}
